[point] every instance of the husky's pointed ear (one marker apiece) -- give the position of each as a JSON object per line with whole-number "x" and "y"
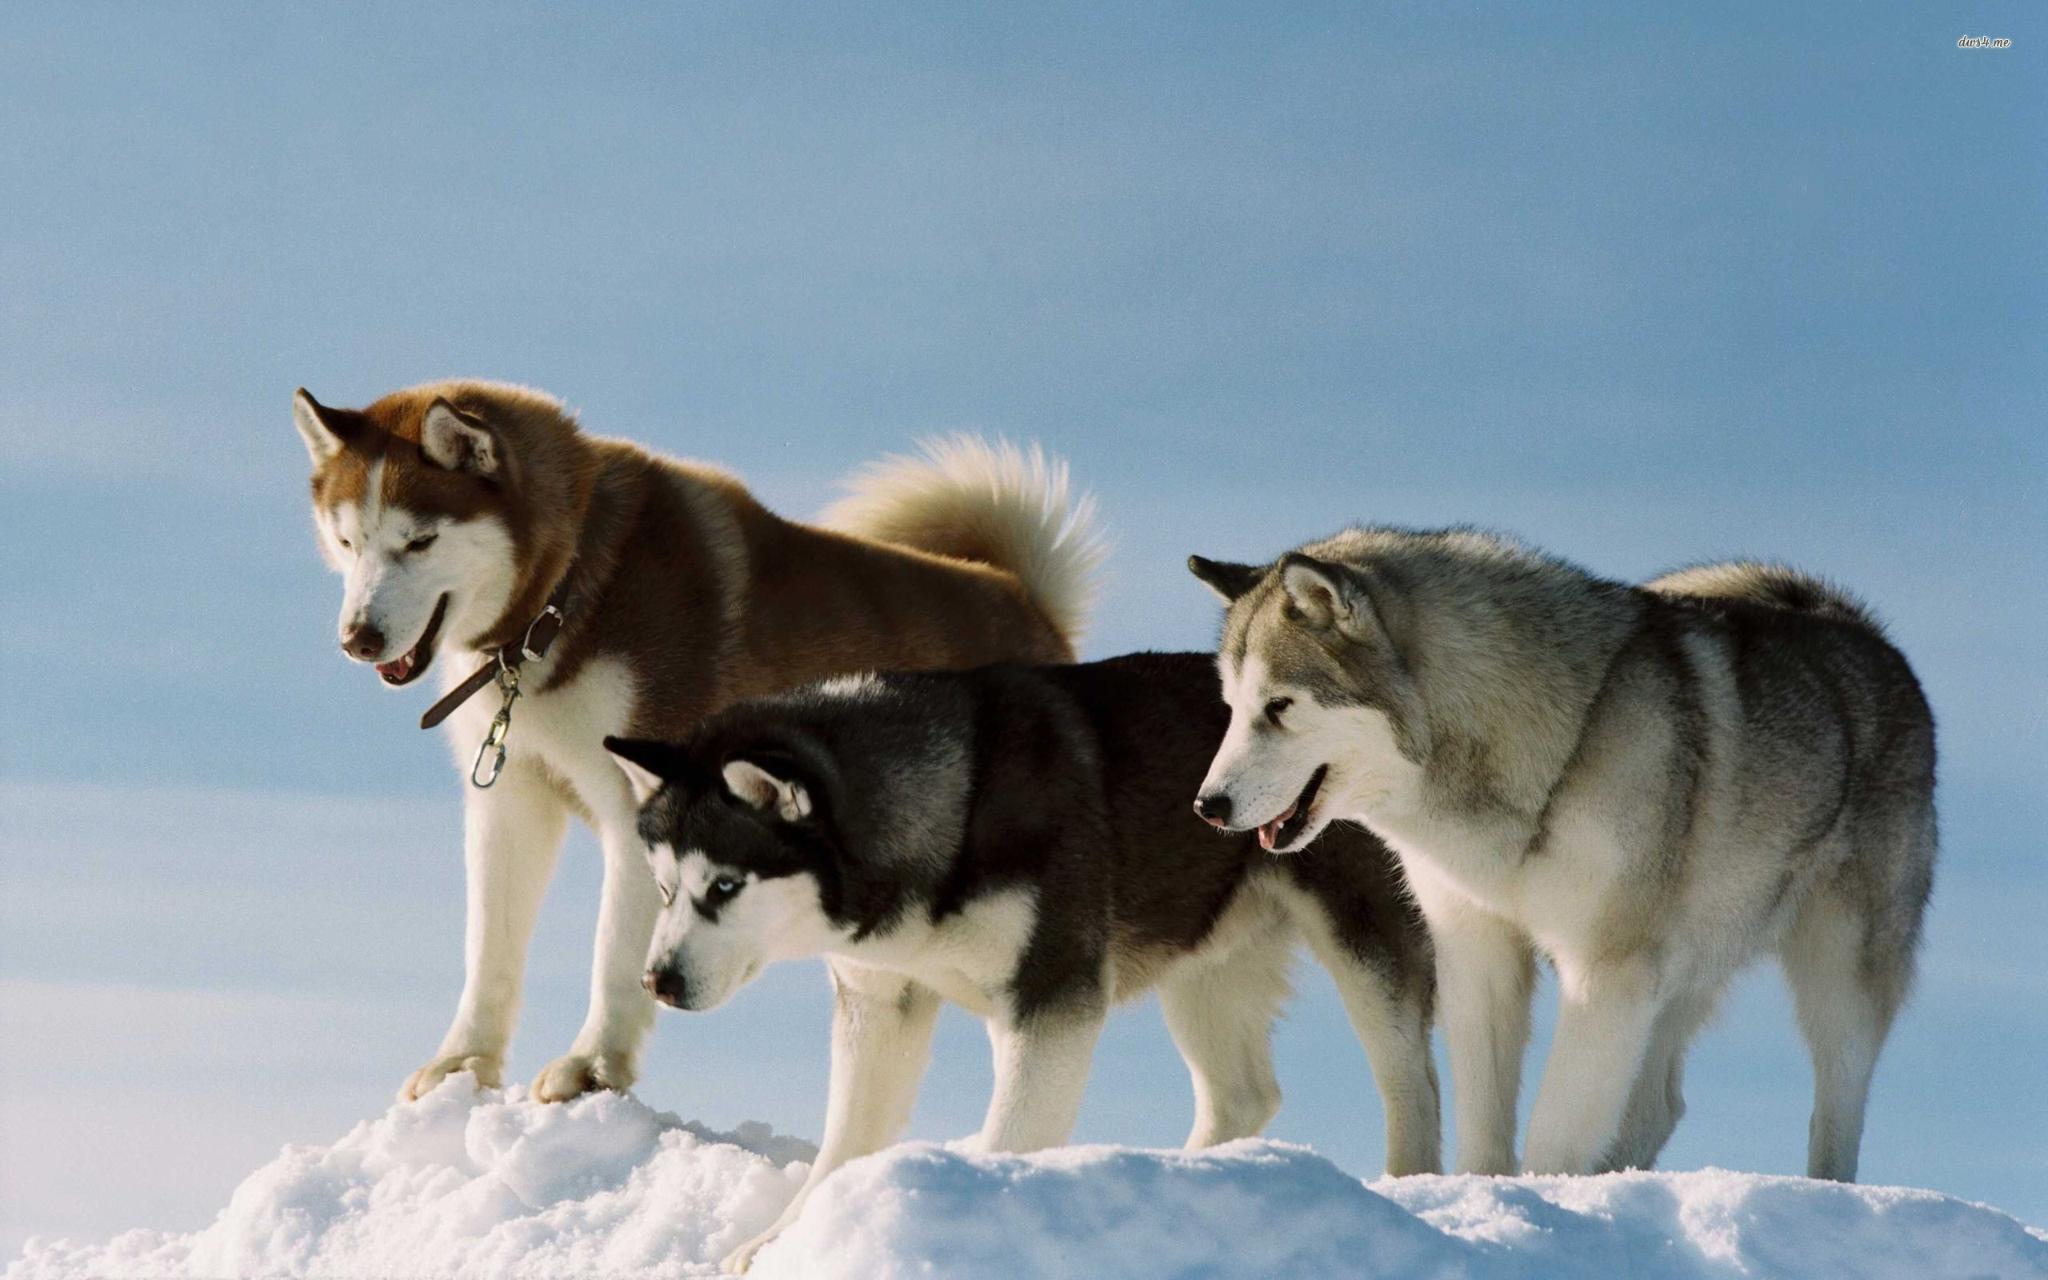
{"x": 1224, "y": 578}
{"x": 458, "y": 442}
{"x": 1327, "y": 595}
{"x": 753, "y": 785}
{"x": 323, "y": 431}
{"x": 645, "y": 762}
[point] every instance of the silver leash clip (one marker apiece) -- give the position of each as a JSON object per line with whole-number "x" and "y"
{"x": 491, "y": 751}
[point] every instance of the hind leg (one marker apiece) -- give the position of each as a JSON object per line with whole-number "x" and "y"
{"x": 1041, "y": 1069}
{"x": 1391, "y": 1018}
{"x": 1846, "y": 993}
{"x": 1220, "y": 1011}
{"x": 1658, "y": 1100}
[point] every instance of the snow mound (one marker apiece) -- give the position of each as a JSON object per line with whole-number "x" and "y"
{"x": 469, "y": 1182}
{"x": 1265, "y": 1209}
{"x": 474, "y": 1182}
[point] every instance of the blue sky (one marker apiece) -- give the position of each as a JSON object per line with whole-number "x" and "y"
{"x": 1646, "y": 287}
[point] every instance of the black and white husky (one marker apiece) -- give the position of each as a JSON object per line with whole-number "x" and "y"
{"x": 1018, "y": 840}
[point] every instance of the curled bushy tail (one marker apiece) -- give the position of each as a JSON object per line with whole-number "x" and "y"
{"x": 993, "y": 503}
{"x": 1777, "y": 585}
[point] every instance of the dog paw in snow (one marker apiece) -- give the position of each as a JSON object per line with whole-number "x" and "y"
{"x": 488, "y": 1069}
{"x": 737, "y": 1262}
{"x": 574, "y": 1074}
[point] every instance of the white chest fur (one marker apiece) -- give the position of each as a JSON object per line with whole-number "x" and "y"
{"x": 968, "y": 958}
{"x": 562, "y": 729}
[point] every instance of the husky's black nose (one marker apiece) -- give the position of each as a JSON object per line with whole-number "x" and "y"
{"x": 1214, "y": 808}
{"x": 363, "y": 643}
{"x": 667, "y": 986}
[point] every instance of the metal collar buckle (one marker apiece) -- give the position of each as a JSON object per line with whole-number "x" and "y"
{"x": 549, "y": 624}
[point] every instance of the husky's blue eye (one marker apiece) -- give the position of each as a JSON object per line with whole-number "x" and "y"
{"x": 722, "y": 888}
{"x": 1275, "y": 709}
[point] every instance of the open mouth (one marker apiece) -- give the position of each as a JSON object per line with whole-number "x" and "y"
{"x": 1286, "y": 828}
{"x": 406, "y": 667}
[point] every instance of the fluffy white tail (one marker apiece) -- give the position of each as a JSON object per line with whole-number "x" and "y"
{"x": 993, "y": 503}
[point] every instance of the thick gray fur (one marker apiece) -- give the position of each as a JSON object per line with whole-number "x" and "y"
{"x": 1649, "y": 785}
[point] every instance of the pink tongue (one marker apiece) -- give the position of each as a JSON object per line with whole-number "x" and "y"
{"x": 1270, "y": 831}
{"x": 396, "y": 667}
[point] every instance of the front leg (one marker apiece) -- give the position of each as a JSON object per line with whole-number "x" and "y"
{"x": 1484, "y": 976}
{"x": 512, "y": 836}
{"x": 881, "y": 1035}
{"x": 1605, "y": 1012}
{"x": 1041, "y": 1062}
{"x": 606, "y": 1052}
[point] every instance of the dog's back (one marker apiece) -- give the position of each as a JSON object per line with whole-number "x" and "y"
{"x": 1801, "y": 645}
{"x": 1074, "y": 778}
{"x": 1827, "y": 738}
{"x": 1820, "y": 719}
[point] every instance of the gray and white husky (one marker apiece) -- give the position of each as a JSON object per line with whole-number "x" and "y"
{"x": 1648, "y": 785}
{"x": 1018, "y": 840}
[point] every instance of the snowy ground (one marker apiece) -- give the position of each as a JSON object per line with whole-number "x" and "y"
{"x": 481, "y": 1184}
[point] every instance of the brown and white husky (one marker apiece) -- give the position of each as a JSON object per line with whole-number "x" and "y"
{"x": 474, "y": 521}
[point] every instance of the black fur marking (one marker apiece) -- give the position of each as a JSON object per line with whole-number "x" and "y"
{"x": 1368, "y": 907}
{"x": 1226, "y": 579}
{"x": 662, "y": 759}
{"x": 1073, "y": 783}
